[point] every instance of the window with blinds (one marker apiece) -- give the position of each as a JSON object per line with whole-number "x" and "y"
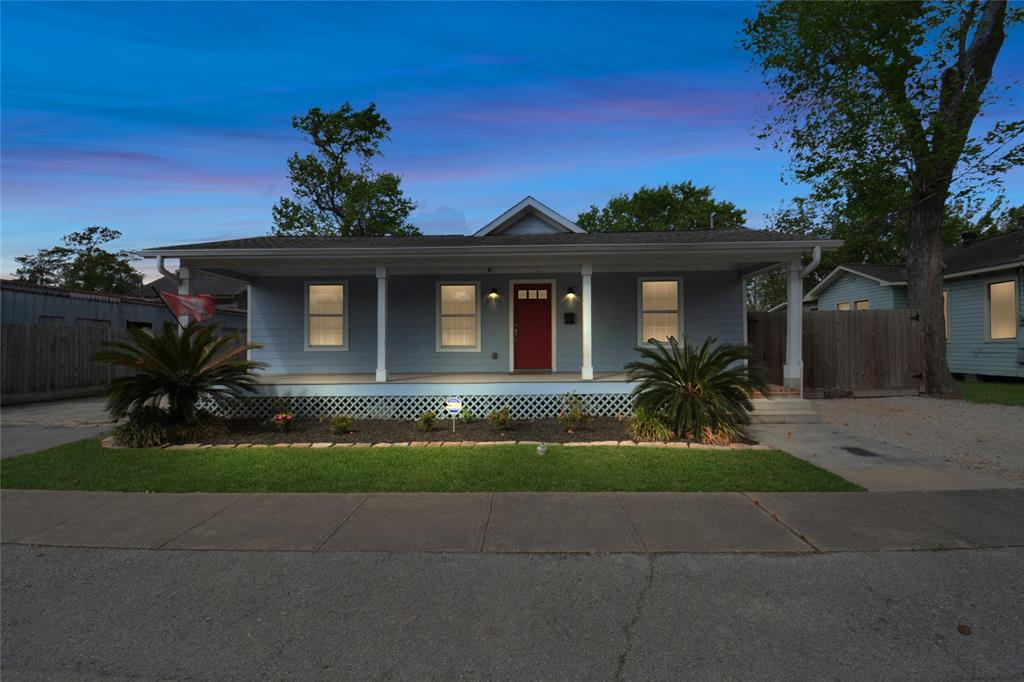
{"x": 659, "y": 310}
{"x": 325, "y": 316}
{"x": 459, "y": 316}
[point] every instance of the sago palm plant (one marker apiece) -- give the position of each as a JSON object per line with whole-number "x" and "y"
{"x": 703, "y": 392}
{"x": 176, "y": 368}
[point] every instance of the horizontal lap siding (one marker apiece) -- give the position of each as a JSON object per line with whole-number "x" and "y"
{"x": 277, "y": 320}
{"x": 712, "y": 307}
{"x": 850, "y": 288}
{"x": 969, "y": 350}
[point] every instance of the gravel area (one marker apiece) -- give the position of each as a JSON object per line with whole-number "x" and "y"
{"x": 988, "y": 438}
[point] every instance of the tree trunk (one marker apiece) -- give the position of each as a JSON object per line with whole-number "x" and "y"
{"x": 924, "y": 281}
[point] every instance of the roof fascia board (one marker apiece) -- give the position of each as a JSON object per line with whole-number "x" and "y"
{"x": 492, "y": 249}
{"x": 982, "y": 271}
{"x": 528, "y": 203}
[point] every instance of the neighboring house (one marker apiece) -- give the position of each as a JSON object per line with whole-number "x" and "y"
{"x": 984, "y": 309}
{"x": 230, "y": 294}
{"x": 23, "y": 303}
{"x": 528, "y": 308}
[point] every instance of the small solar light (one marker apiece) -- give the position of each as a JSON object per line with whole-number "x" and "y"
{"x": 542, "y": 449}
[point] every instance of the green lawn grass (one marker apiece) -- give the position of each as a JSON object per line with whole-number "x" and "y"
{"x": 1000, "y": 393}
{"x": 86, "y": 465}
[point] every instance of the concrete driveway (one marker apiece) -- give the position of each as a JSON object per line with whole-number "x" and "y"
{"x": 38, "y": 426}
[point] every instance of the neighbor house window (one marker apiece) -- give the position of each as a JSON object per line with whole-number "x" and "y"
{"x": 945, "y": 311}
{"x": 842, "y": 306}
{"x": 862, "y": 305}
{"x": 1002, "y": 310}
{"x": 459, "y": 316}
{"x": 325, "y": 316}
{"x": 659, "y": 310}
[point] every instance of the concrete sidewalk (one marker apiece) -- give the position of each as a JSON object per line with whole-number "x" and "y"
{"x": 517, "y": 522}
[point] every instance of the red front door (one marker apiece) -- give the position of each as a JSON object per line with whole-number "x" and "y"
{"x": 531, "y": 326}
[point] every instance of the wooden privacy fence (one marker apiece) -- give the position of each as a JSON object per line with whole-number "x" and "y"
{"x": 863, "y": 352}
{"x": 50, "y": 362}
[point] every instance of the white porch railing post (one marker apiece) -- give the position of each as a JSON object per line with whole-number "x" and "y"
{"x": 382, "y": 324}
{"x": 587, "y": 372}
{"x": 793, "y": 370}
{"x": 184, "y": 289}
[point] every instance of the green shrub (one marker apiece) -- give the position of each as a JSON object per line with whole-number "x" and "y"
{"x": 341, "y": 424}
{"x": 703, "y": 392}
{"x": 426, "y": 421}
{"x": 468, "y": 416}
{"x": 145, "y": 427}
{"x": 203, "y": 427}
{"x": 573, "y": 415}
{"x": 499, "y": 419}
{"x": 177, "y": 370}
{"x": 647, "y": 426}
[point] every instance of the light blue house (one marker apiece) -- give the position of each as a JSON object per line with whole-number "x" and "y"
{"x": 982, "y": 299}
{"x": 528, "y": 308}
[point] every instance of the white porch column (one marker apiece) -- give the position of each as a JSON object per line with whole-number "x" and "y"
{"x": 793, "y": 370}
{"x": 184, "y": 289}
{"x": 587, "y": 372}
{"x": 382, "y": 324}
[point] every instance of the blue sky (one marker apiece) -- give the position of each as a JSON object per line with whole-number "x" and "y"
{"x": 171, "y": 122}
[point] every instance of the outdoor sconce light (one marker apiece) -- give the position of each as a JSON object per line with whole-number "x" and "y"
{"x": 570, "y": 295}
{"x": 494, "y": 295}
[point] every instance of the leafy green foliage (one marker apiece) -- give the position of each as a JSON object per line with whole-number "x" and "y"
{"x": 468, "y": 416}
{"x": 341, "y": 424}
{"x": 682, "y": 206}
{"x": 875, "y": 102}
{"x": 499, "y": 419}
{"x": 648, "y": 427}
{"x": 703, "y": 392}
{"x": 177, "y": 370}
{"x": 335, "y": 190}
{"x": 151, "y": 426}
{"x": 82, "y": 263}
{"x": 426, "y": 421}
{"x": 573, "y": 414}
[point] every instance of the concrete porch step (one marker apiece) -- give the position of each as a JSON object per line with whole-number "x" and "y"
{"x": 784, "y": 411}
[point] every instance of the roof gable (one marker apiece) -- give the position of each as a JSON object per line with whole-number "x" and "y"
{"x": 529, "y": 216}
{"x": 883, "y": 275}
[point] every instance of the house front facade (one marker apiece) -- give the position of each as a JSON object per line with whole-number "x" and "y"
{"x": 981, "y": 295}
{"x": 527, "y": 309}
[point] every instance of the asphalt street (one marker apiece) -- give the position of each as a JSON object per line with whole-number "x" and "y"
{"x": 215, "y": 615}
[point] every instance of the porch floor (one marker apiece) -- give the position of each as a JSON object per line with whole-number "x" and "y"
{"x": 437, "y": 377}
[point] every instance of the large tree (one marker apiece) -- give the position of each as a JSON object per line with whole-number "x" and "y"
{"x": 890, "y": 90}
{"x": 682, "y": 206}
{"x": 335, "y": 190}
{"x": 83, "y": 263}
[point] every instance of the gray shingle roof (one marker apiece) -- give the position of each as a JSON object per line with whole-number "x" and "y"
{"x": 625, "y": 238}
{"x": 886, "y": 273}
{"x": 985, "y": 253}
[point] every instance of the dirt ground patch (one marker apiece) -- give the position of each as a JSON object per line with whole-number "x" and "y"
{"x": 988, "y": 438}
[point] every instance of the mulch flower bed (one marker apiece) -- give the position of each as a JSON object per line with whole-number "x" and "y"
{"x": 395, "y": 431}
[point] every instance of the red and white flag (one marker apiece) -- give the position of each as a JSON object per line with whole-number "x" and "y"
{"x": 199, "y": 307}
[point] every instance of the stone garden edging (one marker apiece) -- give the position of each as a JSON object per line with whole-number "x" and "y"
{"x": 109, "y": 443}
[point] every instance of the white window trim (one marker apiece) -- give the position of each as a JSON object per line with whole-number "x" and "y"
{"x": 988, "y": 311}
{"x": 512, "y": 321}
{"x": 345, "y": 296}
{"x": 947, "y": 316}
{"x": 437, "y": 320}
{"x": 640, "y": 307}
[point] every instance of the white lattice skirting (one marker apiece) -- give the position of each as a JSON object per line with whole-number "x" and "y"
{"x": 412, "y": 406}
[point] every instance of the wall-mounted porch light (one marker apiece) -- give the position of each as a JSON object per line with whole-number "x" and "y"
{"x": 494, "y": 295}
{"x": 570, "y": 295}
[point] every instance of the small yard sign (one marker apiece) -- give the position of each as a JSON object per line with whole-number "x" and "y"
{"x": 453, "y": 406}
